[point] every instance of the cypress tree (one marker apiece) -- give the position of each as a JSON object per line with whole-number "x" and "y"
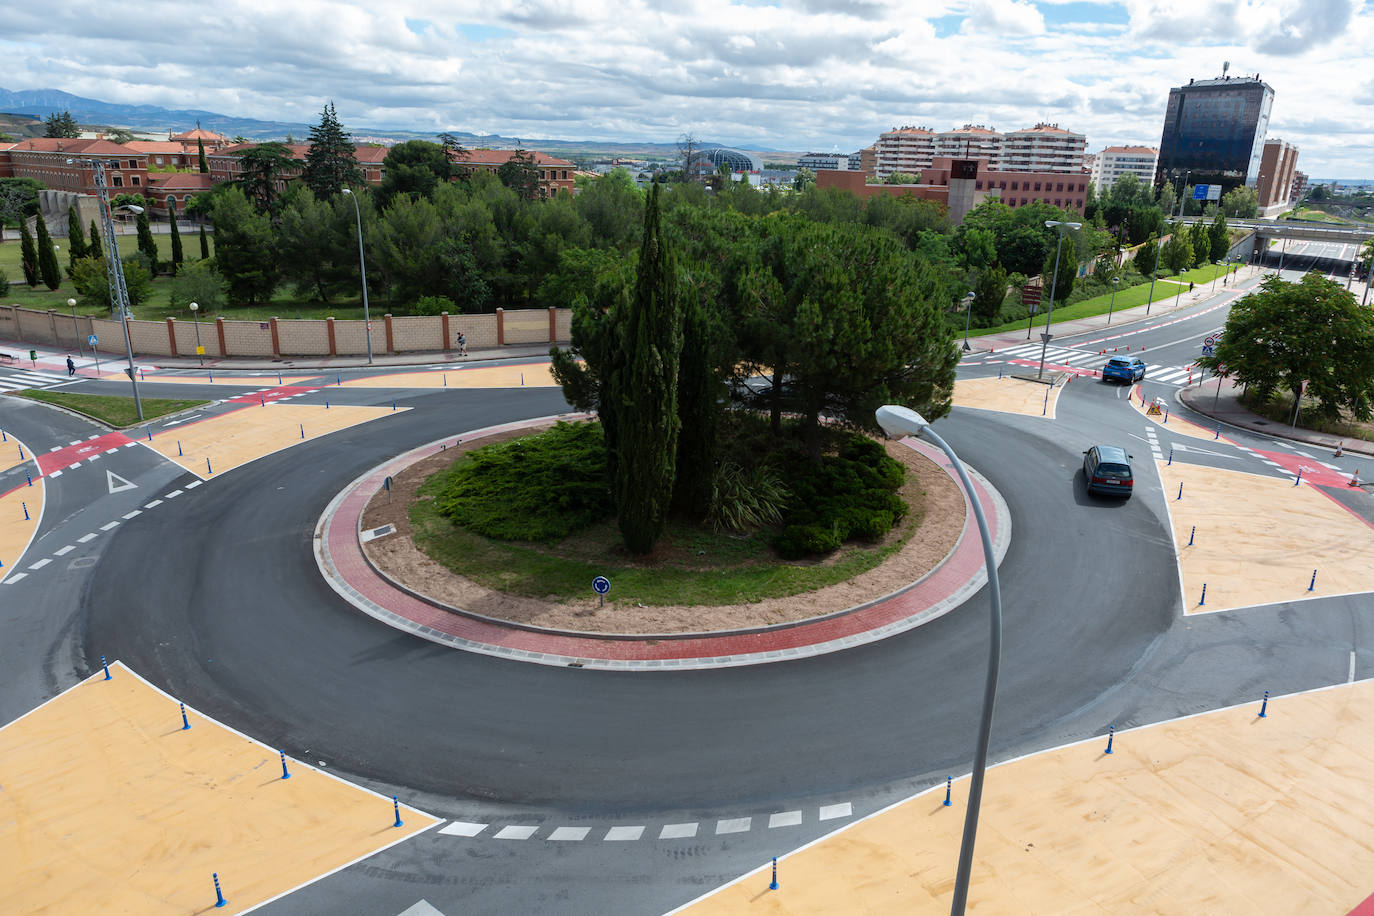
{"x": 76, "y": 239}
{"x": 47, "y": 258}
{"x": 146, "y": 243}
{"x": 95, "y": 249}
{"x": 331, "y": 163}
{"x": 200, "y": 154}
{"x": 645, "y": 392}
{"x": 176, "y": 240}
{"x": 697, "y": 411}
{"x": 204, "y": 244}
{"x": 28, "y": 255}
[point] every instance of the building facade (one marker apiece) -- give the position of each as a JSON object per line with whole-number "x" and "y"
{"x": 1214, "y": 132}
{"x": 817, "y": 161}
{"x": 1115, "y": 161}
{"x": 903, "y": 149}
{"x": 45, "y": 159}
{"x": 972, "y": 141}
{"x": 1299, "y": 187}
{"x": 554, "y": 174}
{"x": 865, "y": 160}
{"x": 1278, "y": 168}
{"x": 1044, "y": 148}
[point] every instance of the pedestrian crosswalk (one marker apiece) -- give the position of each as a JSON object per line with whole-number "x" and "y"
{"x": 19, "y": 379}
{"x": 1091, "y": 359}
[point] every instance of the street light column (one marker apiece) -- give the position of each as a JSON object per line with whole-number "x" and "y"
{"x": 1045, "y": 335}
{"x": 362, "y": 269}
{"x": 968, "y": 316}
{"x": 1116, "y": 281}
{"x": 200, "y": 351}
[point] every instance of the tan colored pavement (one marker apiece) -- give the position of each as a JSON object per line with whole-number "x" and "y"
{"x": 241, "y": 436}
{"x": 1259, "y": 538}
{"x": 533, "y": 375}
{"x": 1223, "y": 813}
{"x": 238, "y": 381}
{"x": 15, "y": 531}
{"x": 109, "y": 806}
{"x": 11, "y": 451}
{"x": 1007, "y": 395}
{"x": 1175, "y": 423}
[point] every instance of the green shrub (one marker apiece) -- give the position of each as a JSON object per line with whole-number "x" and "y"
{"x": 535, "y": 488}
{"x": 797, "y": 541}
{"x": 743, "y": 499}
{"x": 434, "y": 305}
{"x": 4, "y": 284}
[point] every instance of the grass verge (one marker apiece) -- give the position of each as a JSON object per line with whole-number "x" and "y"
{"x": 112, "y": 410}
{"x": 1098, "y": 305}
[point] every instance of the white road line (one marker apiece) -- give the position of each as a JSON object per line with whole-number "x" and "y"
{"x": 75, "y": 442}
{"x": 463, "y": 828}
{"x": 193, "y": 484}
{"x": 677, "y": 831}
{"x": 516, "y": 832}
{"x": 134, "y": 514}
{"x": 55, "y": 474}
{"x": 87, "y": 537}
{"x": 40, "y": 564}
{"x": 64, "y": 551}
{"x": 57, "y": 447}
{"x": 620, "y": 834}
{"x": 152, "y": 505}
{"x": 130, "y": 444}
{"x": 733, "y": 825}
{"x": 830, "y": 812}
{"x": 569, "y": 833}
{"x": 784, "y": 819}
{"x": 172, "y": 495}
{"x": 109, "y": 526}
{"x": 14, "y": 578}
{"x": 95, "y": 457}
{"x": 1350, "y": 678}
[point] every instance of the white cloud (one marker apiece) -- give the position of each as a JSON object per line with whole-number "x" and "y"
{"x": 785, "y": 74}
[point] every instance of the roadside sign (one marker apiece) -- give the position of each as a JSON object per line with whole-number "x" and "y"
{"x": 92, "y": 340}
{"x": 200, "y": 351}
{"x": 1211, "y": 341}
{"x": 386, "y": 484}
{"x": 1208, "y": 351}
{"x": 601, "y": 585}
{"x": 1030, "y": 294}
{"x": 1200, "y": 191}
{"x": 1214, "y": 192}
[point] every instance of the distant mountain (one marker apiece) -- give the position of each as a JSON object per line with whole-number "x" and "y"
{"x": 40, "y": 103}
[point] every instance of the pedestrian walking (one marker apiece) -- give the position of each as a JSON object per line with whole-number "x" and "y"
{"x": 462, "y": 344}
{"x": 71, "y": 367}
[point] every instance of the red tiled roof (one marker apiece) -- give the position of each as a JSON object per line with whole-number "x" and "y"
{"x": 199, "y": 134}
{"x": 970, "y": 129}
{"x": 156, "y": 146}
{"x": 1146, "y": 150}
{"x": 179, "y": 181}
{"x": 909, "y": 131}
{"x": 370, "y": 154}
{"x": 66, "y": 145}
{"x": 502, "y": 156}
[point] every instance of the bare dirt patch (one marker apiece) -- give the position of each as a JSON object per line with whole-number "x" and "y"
{"x": 931, "y": 493}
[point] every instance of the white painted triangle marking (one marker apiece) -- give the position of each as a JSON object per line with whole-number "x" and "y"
{"x": 118, "y": 484}
{"x": 421, "y": 908}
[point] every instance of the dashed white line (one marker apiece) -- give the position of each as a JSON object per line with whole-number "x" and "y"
{"x": 40, "y": 564}
{"x": 733, "y": 825}
{"x": 463, "y": 828}
{"x": 14, "y": 578}
{"x": 75, "y": 442}
{"x": 677, "y": 831}
{"x": 172, "y": 495}
{"x": 87, "y": 537}
{"x": 516, "y": 832}
{"x": 55, "y": 474}
{"x": 1350, "y": 678}
{"x": 565, "y": 834}
{"x": 95, "y": 457}
{"x": 618, "y": 834}
{"x": 830, "y": 812}
{"x": 64, "y": 551}
{"x": 134, "y": 514}
{"x": 153, "y": 505}
{"x": 784, "y": 819}
{"x": 109, "y": 526}
{"x": 193, "y": 484}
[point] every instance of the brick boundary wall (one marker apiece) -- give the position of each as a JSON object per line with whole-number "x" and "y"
{"x": 289, "y": 337}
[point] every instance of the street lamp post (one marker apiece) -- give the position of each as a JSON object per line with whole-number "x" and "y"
{"x": 1116, "y": 281}
{"x": 1046, "y": 335}
{"x": 362, "y": 268}
{"x": 200, "y": 351}
{"x": 1283, "y": 249}
{"x": 114, "y": 268}
{"x": 76, "y": 328}
{"x": 968, "y": 316}
{"x": 901, "y": 421}
{"x": 1217, "y": 274}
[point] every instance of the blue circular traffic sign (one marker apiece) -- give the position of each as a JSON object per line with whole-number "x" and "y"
{"x": 601, "y": 585}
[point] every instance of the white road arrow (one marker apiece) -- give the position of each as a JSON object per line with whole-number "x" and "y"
{"x": 118, "y": 484}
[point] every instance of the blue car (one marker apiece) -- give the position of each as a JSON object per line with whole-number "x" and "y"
{"x": 1107, "y": 470}
{"x": 1123, "y": 369}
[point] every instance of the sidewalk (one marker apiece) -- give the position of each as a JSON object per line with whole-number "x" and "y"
{"x": 339, "y": 553}
{"x": 1224, "y": 406}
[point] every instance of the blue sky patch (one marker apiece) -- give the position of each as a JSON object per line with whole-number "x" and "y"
{"x": 946, "y": 26}
{"x": 1061, "y": 13}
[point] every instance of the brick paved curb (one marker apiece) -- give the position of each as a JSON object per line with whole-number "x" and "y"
{"x": 339, "y": 554}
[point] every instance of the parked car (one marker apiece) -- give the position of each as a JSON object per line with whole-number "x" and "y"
{"x": 1107, "y": 470}
{"x": 1124, "y": 368}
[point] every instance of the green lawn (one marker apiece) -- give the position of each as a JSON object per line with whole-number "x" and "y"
{"x": 284, "y": 303}
{"x": 111, "y": 410}
{"x": 1098, "y": 305}
{"x": 1206, "y": 273}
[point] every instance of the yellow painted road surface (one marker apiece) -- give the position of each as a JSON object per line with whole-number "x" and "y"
{"x": 534, "y": 375}
{"x": 1223, "y": 813}
{"x": 1006, "y": 395}
{"x": 241, "y": 436}
{"x": 11, "y": 451}
{"x": 109, "y": 806}
{"x": 237, "y": 381}
{"x": 1176, "y": 424}
{"x": 1259, "y": 538}
{"x": 15, "y": 531}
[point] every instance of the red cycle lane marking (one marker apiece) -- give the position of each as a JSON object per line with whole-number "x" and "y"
{"x": 274, "y": 394}
{"x": 64, "y": 457}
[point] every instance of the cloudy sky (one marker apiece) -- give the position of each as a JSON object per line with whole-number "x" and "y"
{"x": 780, "y": 74}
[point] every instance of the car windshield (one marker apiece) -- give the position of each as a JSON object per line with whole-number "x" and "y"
{"x": 1121, "y": 471}
{"x": 1119, "y": 362}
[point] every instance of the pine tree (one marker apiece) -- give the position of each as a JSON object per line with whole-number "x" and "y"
{"x": 61, "y": 125}
{"x": 95, "y": 249}
{"x": 645, "y": 392}
{"x": 204, "y": 244}
{"x": 176, "y": 240}
{"x": 698, "y": 396}
{"x": 76, "y": 239}
{"x": 200, "y": 155}
{"x": 146, "y": 243}
{"x": 47, "y": 258}
{"x": 28, "y": 255}
{"x": 331, "y": 164}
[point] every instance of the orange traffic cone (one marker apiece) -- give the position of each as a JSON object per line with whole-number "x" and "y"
{"x": 1340, "y": 448}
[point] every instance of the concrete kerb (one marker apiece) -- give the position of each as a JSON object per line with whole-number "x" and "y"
{"x": 332, "y": 575}
{"x": 1277, "y": 431}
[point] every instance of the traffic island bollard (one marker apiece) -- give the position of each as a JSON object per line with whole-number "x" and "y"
{"x": 1111, "y": 733}
{"x": 396, "y": 808}
{"x": 773, "y": 885}
{"x": 1312, "y": 586}
{"x": 949, "y": 781}
{"x": 208, "y": 471}
{"x": 1191, "y": 535}
{"x": 26, "y": 510}
{"x": 1180, "y": 491}
{"x": 1264, "y": 706}
{"x": 179, "y": 453}
{"x": 284, "y": 773}
{"x": 1203, "y": 600}
{"x": 219, "y": 894}
{"x": 185, "y": 723}
{"x": 104, "y": 664}
{"x": 1171, "y": 456}
{"x": 1297, "y": 480}
{"x": 1218, "y": 435}
{"x": 30, "y": 477}
{"x": 302, "y": 430}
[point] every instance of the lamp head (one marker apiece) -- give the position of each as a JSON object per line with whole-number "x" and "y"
{"x": 71, "y": 303}
{"x": 348, "y": 191}
{"x": 900, "y": 421}
{"x": 135, "y": 209}
{"x": 194, "y": 306}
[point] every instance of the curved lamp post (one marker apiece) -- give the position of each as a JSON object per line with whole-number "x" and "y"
{"x": 200, "y": 351}
{"x": 901, "y": 421}
{"x": 1116, "y": 281}
{"x": 968, "y": 315}
{"x": 1045, "y": 335}
{"x": 362, "y": 268}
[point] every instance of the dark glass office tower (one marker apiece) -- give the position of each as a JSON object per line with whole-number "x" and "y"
{"x": 1215, "y": 129}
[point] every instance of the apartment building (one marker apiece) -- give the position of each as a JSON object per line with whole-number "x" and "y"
{"x": 816, "y": 161}
{"x": 972, "y": 141}
{"x": 903, "y": 149}
{"x": 554, "y": 174}
{"x": 1115, "y": 161}
{"x": 1277, "y": 171}
{"x": 45, "y": 159}
{"x": 1299, "y": 187}
{"x": 865, "y": 160}
{"x": 1043, "y": 148}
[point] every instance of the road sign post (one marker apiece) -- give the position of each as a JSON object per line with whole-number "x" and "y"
{"x": 601, "y": 585}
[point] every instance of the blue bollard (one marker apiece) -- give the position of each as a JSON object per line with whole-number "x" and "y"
{"x": 208, "y": 471}
{"x": 284, "y": 774}
{"x": 1190, "y": 535}
{"x": 30, "y": 477}
{"x": 445, "y": 379}
{"x": 302, "y": 430}
{"x": 1312, "y": 586}
{"x": 278, "y": 379}
{"x": 999, "y": 373}
{"x": 1180, "y": 491}
{"x": 1171, "y": 456}
{"x": 393, "y": 404}
{"x": 219, "y": 895}
{"x": 1203, "y": 599}
{"x": 338, "y": 380}
{"x": 1166, "y": 415}
{"x": 1264, "y": 706}
{"x": 522, "y": 380}
{"x": 142, "y": 376}
{"x": 1298, "y": 479}
{"x": 1111, "y": 733}
{"x": 396, "y": 807}
{"x": 184, "y": 723}
{"x": 150, "y": 433}
{"x": 773, "y": 885}
{"x": 21, "y": 453}
{"x": 179, "y": 452}
{"x": 3, "y": 437}
{"x": 212, "y": 376}
{"x": 948, "y": 781}
{"x": 1218, "y": 435}
{"x": 262, "y": 401}
{"x": 106, "y": 666}
{"x": 26, "y": 511}
{"x": 326, "y": 403}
